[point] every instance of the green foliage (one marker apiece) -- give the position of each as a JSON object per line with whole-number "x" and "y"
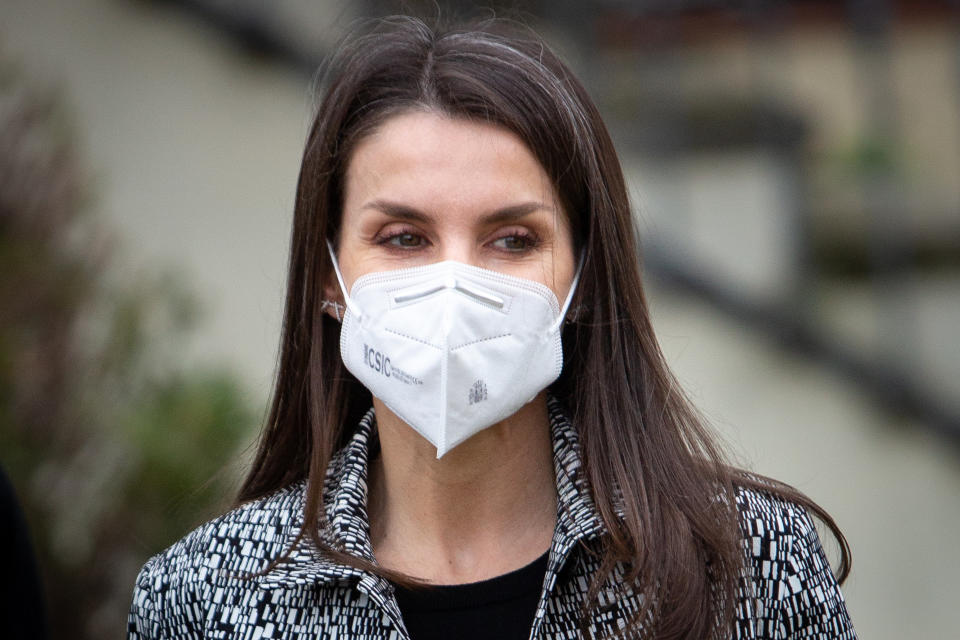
{"x": 186, "y": 461}
{"x": 115, "y": 450}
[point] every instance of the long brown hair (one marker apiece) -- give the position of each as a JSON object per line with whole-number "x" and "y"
{"x": 645, "y": 449}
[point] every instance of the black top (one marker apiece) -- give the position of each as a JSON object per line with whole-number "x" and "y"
{"x": 501, "y": 607}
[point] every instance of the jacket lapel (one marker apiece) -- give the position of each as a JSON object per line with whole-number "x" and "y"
{"x": 345, "y": 502}
{"x": 577, "y": 517}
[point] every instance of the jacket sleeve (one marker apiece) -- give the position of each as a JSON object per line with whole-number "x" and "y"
{"x": 811, "y": 604}
{"x": 143, "y": 622}
{"x": 164, "y": 606}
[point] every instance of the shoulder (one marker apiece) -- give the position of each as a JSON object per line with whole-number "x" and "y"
{"x": 238, "y": 543}
{"x": 790, "y": 588}
{"x": 773, "y": 526}
{"x": 243, "y": 539}
{"x": 763, "y": 511}
{"x": 774, "y": 529}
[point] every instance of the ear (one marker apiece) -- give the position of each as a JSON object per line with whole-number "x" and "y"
{"x": 332, "y": 303}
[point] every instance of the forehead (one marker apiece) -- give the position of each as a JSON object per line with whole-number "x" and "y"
{"x": 430, "y": 159}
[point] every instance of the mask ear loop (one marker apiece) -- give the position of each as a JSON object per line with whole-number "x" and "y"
{"x": 330, "y": 304}
{"x": 573, "y": 288}
{"x": 343, "y": 288}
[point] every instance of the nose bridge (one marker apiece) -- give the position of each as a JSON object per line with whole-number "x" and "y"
{"x": 459, "y": 248}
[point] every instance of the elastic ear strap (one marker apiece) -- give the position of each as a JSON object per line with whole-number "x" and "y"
{"x": 573, "y": 288}
{"x": 343, "y": 287}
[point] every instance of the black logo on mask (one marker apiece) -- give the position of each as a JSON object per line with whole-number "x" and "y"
{"x": 377, "y": 361}
{"x": 478, "y": 392}
{"x": 380, "y": 362}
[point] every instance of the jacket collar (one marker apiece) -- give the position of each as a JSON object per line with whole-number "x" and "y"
{"x": 345, "y": 500}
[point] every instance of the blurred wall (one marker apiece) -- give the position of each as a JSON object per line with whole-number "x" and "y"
{"x": 194, "y": 149}
{"x": 195, "y": 146}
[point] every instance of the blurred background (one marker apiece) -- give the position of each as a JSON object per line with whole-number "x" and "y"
{"x": 794, "y": 169}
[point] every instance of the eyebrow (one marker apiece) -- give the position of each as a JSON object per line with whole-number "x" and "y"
{"x": 505, "y": 214}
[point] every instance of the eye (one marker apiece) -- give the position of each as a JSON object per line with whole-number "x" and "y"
{"x": 515, "y": 242}
{"x": 404, "y": 240}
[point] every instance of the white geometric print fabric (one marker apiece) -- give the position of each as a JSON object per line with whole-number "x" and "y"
{"x": 201, "y": 587}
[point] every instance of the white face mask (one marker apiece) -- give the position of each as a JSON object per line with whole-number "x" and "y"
{"x": 450, "y": 348}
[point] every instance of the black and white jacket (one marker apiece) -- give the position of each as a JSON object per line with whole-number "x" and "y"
{"x": 201, "y": 586}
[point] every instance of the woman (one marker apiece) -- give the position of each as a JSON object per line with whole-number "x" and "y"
{"x": 473, "y": 431}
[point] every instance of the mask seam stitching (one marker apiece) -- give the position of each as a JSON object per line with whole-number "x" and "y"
{"x": 403, "y": 335}
{"x": 444, "y": 383}
{"x": 479, "y": 340}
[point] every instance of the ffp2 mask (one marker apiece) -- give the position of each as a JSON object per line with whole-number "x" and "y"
{"x": 451, "y": 348}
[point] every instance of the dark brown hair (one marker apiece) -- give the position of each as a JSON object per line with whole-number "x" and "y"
{"x": 644, "y": 447}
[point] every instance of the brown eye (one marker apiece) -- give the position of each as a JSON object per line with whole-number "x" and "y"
{"x": 514, "y": 243}
{"x": 406, "y": 240}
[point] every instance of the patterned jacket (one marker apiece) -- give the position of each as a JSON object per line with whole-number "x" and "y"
{"x": 201, "y": 586}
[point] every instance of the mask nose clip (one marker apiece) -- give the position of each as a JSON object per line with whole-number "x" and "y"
{"x": 453, "y": 283}
{"x": 484, "y": 297}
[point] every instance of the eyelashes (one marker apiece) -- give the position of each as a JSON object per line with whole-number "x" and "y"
{"x": 517, "y": 240}
{"x": 399, "y": 237}
{"x": 402, "y": 240}
{"x": 510, "y": 240}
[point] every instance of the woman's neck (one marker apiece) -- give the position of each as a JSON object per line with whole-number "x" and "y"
{"x": 484, "y": 509}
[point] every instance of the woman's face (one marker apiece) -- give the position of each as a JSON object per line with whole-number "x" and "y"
{"x": 426, "y": 187}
